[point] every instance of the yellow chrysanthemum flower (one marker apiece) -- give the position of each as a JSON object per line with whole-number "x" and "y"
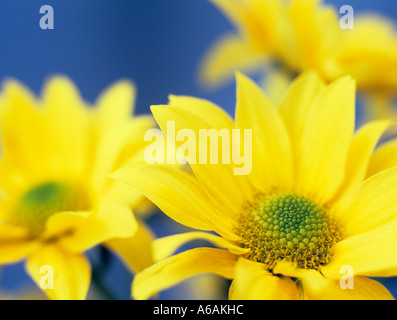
{"x": 56, "y": 198}
{"x": 306, "y": 209}
{"x": 304, "y": 35}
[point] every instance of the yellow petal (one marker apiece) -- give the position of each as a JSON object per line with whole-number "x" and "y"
{"x": 297, "y": 103}
{"x": 12, "y": 232}
{"x": 235, "y": 188}
{"x": 79, "y": 231}
{"x": 270, "y": 30}
{"x": 14, "y": 251}
{"x": 133, "y": 148}
{"x": 116, "y": 220}
{"x": 119, "y": 135}
{"x": 328, "y": 130}
{"x": 265, "y": 24}
{"x": 372, "y": 63}
{"x": 371, "y": 205}
{"x": 20, "y": 129}
{"x": 370, "y": 254}
{"x": 122, "y": 192}
{"x": 271, "y": 151}
{"x": 67, "y": 125}
{"x": 71, "y": 273}
{"x": 136, "y": 251}
{"x": 215, "y": 116}
{"x": 228, "y": 54}
{"x": 385, "y": 157}
{"x": 288, "y": 269}
{"x": 115, "y": 105}
{"x": 253, "y": 282}
{"x": 179, "y": 195}
{"x": 311, "y": 20}
{"x": 359, "y": 154}
{"x": 169, "y": 272}
{"x": 123, "y": 141}
{"x": 166, "y": 246}
{"x": 15, "y": 243}
{"x": 317, "y": 287}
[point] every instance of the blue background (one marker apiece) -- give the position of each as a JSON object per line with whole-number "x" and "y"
{"x": 156, "y": 43}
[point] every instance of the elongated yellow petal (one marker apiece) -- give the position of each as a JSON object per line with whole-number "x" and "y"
{"x": 297, "y": 103}
{"x": 372, "y": 63}
{"x": 67, "y": 125}
{"x": 371, "y": 205}
{"x": 179, "y": 195}
{"x": 166, "y": 246}
{"x": 133, "y": 150}
{"x": 115, "y": 105}
{"x": 20, "y": 131}
{"x": 215, "y": 116}
{"x": 79, "y": 231}
{"x": 370, "y": 254}
{"x": 62, "y": 275}
{"x": 360, "y": 151}
{"x": 111, "y": 151}
{"x": 136, "y": 250}
{"x": 328, "y": 130}
{"x": 317, "y": 287}
{"x": 271, "y": 151}
{"x": 60, "y": 222}
{"x": 253, "y": 282}
{"x": 288, "y": 269}
{"x": 175, "y": 269}
{"x": 385, "y": 157}
{"x": 116, "y": 220}
{"x": 12, "y": 252}
{"x": 121, "y": 192}
{"x": 119, "y": 136}
{"x": 228, "y": 54}
{"x": 15, "y": 243}
{"x": 12, "y": 232}
{"x": 209, "y": 164}
{"x": 311, "y": 21}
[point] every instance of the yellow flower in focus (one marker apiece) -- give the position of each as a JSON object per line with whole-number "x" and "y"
{"x": 305, "y": 211}
{"x": 299, "y": 35}
{"x": 56, "y": 198}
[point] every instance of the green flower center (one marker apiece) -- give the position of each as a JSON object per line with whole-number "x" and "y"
{"x": 39, "y": 203}
{"x": 288, "y": 227}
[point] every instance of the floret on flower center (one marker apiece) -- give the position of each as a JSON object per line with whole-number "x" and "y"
{"x": 290, "y": 227}
{"x": 42, "y": 201}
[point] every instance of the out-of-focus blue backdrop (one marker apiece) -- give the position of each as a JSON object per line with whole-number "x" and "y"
{"x": 156, "y": 43}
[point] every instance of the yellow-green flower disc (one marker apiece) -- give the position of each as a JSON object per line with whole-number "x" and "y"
{"x": 42, "y": 201}
{"x": 289, "y": 227}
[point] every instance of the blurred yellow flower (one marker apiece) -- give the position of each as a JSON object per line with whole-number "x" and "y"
{"x": 304, "y": 35}
{"x": 56, "y": 198}
{"x": 306, "y": 211}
